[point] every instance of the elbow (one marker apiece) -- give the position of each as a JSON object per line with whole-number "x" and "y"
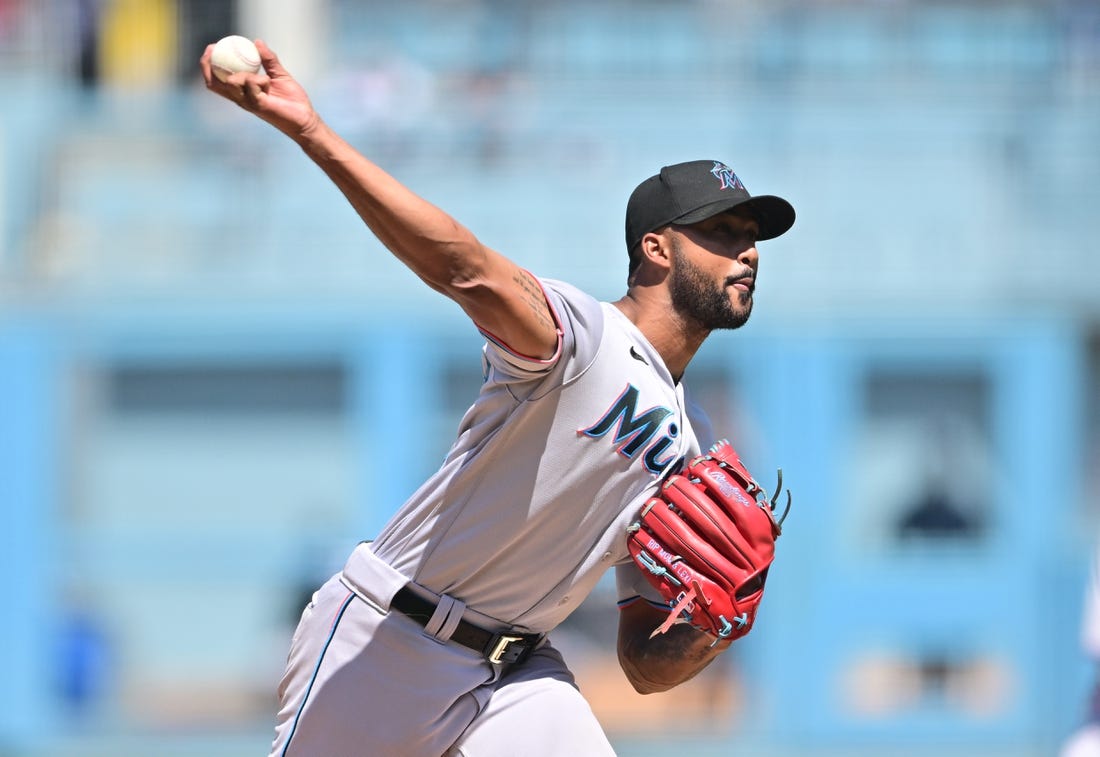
{"x": 643, "y": 686}
{"x": 464, "y": 258}
{"x": 464, "y": 275}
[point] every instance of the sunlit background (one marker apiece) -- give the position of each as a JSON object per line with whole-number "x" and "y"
{"x": 214, "y": 381}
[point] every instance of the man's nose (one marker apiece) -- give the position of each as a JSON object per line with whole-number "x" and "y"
{"x": 749, "y": 256}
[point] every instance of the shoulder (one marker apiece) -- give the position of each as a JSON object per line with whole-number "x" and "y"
{"x": 579, "y": 318}
{"x": 577, "y": 312}
{"x": 569, "y": 293}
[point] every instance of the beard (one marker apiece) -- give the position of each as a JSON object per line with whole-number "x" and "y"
{"x": 699, "y": 299}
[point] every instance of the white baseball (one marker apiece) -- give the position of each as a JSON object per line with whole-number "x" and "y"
{"x": 232, "y": 54}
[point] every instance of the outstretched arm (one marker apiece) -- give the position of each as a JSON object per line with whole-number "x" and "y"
{"x": 497, "y": 294}
{"x": 665, "y": 660}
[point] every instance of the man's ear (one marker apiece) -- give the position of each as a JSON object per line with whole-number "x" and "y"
{"x": 655, "y": 249}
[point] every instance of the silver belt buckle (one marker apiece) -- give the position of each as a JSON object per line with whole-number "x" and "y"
{"x": 501, "y": 647}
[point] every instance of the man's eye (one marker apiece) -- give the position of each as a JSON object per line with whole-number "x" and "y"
{"x": 730, "y": 232}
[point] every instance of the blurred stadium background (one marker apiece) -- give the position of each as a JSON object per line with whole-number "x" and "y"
{"x": 213, "y": 381}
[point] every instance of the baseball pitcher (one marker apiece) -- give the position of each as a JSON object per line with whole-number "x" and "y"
{"x": 580, "y": 454}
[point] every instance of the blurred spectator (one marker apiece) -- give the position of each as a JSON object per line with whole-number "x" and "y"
{"x": 138, "y": 42}
{"x": 200, "y": 23}
{"x": 87, "y": 29}
{"x": 83, "y": 663}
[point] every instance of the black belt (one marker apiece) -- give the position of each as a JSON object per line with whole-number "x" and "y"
{"x": 495, "y": 647}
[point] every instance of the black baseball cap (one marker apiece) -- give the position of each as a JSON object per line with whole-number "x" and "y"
{"x": 690, "y": 192}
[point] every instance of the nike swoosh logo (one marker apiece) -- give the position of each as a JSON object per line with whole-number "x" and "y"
{"x": 637, "y": 355}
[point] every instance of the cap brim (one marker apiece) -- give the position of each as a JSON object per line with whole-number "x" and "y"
{"x": 774, "y": 215}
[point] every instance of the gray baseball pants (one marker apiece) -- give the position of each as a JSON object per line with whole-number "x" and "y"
{"x": 362, "y": 680}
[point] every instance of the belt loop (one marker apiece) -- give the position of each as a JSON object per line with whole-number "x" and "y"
{"x": 445, "y": 619}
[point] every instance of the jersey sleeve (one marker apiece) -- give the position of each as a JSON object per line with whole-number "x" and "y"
{"x": 579, "y": 319}
{"x": 502, "y": 357}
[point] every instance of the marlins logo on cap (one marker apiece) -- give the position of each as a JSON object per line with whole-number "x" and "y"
{"x": 726, "y": 175}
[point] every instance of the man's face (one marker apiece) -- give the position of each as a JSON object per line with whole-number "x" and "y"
{"x": 713, "y": 272}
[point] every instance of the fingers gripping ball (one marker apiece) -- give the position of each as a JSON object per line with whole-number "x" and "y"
{"x": 234, "y": 54}
{"x": 706, "y": 541}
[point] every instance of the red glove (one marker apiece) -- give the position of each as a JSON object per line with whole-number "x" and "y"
{"x": 706, "y": 541}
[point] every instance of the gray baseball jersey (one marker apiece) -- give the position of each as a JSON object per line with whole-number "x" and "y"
{"x": 527, "y": 512}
